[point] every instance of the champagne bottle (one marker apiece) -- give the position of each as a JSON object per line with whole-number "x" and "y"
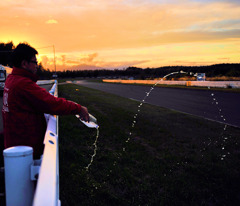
{"x": 92, "y": 121}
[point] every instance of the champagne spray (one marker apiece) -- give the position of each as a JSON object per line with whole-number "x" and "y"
{"x": 92, "y": 121}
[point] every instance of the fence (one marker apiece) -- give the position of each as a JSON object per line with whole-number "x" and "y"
{"x": 19, "y": 179}
{"x": 222, "y": 84}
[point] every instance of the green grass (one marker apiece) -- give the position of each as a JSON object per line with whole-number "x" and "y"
{"x": 171, "y": 158}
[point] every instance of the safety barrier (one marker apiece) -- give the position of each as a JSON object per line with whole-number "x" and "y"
{"x": 47, "y": 191}
{"x": 21, "y": 170}
{"x": 221, "y": 84}
{"x": 42, "y": 82}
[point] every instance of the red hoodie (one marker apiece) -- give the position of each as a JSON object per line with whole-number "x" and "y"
{"x": 24, "y": 105}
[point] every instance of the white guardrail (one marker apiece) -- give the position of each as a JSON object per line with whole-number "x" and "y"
{"x": 21, "y": 171}
{"x": 221, "y": 84}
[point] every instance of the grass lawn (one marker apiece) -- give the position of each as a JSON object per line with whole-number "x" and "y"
{"x": 164, "y": 158}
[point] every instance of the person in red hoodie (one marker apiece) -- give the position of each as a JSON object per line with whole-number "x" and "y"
{"x": 24, "y": 103}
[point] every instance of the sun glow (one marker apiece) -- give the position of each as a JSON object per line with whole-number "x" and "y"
{"x": 119, "y": 34}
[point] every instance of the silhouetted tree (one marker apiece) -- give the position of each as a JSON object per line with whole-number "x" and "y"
{"x": 44, "y": 73}
{"x": 139, "y": 73}
{"x": 5, "y": 53}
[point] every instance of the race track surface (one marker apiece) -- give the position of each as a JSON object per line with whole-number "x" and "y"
{"x": 215, "y": 105}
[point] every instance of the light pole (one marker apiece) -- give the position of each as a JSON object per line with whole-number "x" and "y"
{"x": 54, "y": 75}
{"x": 54, "y": 59}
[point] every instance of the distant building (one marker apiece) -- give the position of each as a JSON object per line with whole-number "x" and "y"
{"x": 201, "y": 76}
{"x": 55, "y": 76}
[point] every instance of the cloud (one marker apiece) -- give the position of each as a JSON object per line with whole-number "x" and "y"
{"x": 101, "y": 65}
{"x": 61, "y": 67}
{"x": 87, "y": 62}
{"x": 121, "y": 64}
{"x": 77, "y": 59}
{"x": 63, "y": 58}
{"x": 89, "y": 58}
{"x": 224, "y": 59}
{"x": 51, "y": 21}
{"x": 192, "y": 63}
{"x": 72, "y": 61}
{"x": 99, "y": 29}
{"x": 222, "y": 1}
{"x": 44, "y": 60}
{"x": 93, "y": 25}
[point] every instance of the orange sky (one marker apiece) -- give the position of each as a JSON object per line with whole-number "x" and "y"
{"x": 122, "y": 33}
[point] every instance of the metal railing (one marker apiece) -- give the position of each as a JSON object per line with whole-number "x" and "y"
{"x": 46, "y": 169}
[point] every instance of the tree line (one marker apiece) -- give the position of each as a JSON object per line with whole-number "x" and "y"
{"x": 5, "y": 53}
{"x": 229, "y": 70}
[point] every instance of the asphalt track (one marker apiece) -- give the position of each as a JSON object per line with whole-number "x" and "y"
{"x": 219, "y": 106}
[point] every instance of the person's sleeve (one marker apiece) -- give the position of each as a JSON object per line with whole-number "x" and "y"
{"x": 42, "y": 101}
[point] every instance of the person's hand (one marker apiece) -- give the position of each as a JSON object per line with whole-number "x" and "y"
{"x": 84, "y": 114}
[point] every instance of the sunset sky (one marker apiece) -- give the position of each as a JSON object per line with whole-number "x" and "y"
{"x": 121, "y": 33}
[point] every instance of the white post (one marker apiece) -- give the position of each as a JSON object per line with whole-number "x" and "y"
{"x": 19, "y": 187}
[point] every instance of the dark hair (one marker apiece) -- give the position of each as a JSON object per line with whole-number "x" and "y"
{"x": 22, "y": 52}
